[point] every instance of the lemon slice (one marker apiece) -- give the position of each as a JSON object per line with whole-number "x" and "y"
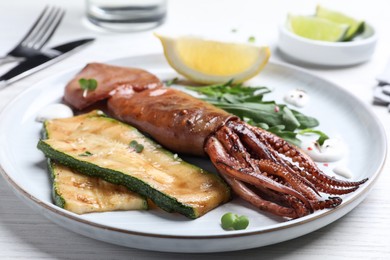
{"x": 317, "y": 28}
{"x": 355, "y": 26}
{"x": 212, "y": 62}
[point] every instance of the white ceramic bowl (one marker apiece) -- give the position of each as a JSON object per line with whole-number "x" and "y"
{"x": 327, "y": 53}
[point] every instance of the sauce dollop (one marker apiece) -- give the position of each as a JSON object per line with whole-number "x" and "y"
{"x": 332, "y": 150}
{"x": 53, "y": 111}
{"x": 343, "y": 171}
{"x": 297, "y": 97}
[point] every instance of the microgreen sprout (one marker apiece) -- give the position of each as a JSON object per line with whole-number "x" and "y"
{"x": 87, "y": 85}
{"x": 86, "y": 154}
{"x": 136, "y": 146}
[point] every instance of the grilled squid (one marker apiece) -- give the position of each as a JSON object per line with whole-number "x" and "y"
{"x": 261, "y": 168}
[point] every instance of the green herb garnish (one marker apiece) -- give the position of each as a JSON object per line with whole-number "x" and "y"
{"x": 322, "y": 136}
{"x": 136, "y": 146}
{"x": 171, "y": 82}
{"x": 247, "y": 103}
{"x": 251, "y": 39}
{"x": 231, "y": 93}
{"x": 87, "y": 85}
{"x": 86, "y": 153}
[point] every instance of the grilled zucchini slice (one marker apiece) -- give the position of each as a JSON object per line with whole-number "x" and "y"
{"x": 96, "y": 145}
{"x": 81, "y": 194}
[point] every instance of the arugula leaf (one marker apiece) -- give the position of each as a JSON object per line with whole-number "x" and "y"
{"x": 247, "y": 103}
{"x": 322, "y": 136}
{"x": 290, "y": 121}
{"x": 171, "y": 82}
{"x": 289, "y": 136}
{"x": 232, "y": 93}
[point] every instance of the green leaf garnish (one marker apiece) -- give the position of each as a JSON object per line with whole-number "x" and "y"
{"x": 86, "y": 153}
{"x": 248, "y": 104}
{"x": 139, "y": 148}
{"x": 136, "y": 146}
{"x": 322, "y": 136}
{"x": 88, "y": 84}
{"x": 171, "y": 82}
{"x": 252, "y": 39}
{"x": 133, "y": 144}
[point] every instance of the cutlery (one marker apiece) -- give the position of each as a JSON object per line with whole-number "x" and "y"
{"x": 38, "y": 35}
{"x": 384, "y": 77}
{"x": 42, "y": 60}
{"x": 382, "y": 90}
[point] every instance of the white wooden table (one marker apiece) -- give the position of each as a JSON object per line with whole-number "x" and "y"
{"x": 362, "y": 234}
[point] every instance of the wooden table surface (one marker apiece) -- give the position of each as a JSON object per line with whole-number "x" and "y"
{"x": 362, "y": 234}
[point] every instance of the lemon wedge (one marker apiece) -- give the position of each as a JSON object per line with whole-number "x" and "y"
{"x": 212, "y": 62}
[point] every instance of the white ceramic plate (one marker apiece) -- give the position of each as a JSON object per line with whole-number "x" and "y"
{"x": 340, "y": 113}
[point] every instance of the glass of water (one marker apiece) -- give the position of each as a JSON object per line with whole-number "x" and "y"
{"x": 126, "y": 15}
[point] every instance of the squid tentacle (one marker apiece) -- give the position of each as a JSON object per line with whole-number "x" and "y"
{"x": 259, "y": 146}
{"x": 268, "y": 166}
{"x": 303, "y": 161}
{"x": 223, "y": 161}
{"x": 247, "y": 194}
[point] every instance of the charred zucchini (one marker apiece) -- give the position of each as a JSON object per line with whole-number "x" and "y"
{"x": 96, "y": 145}
{"x": 81, "y": 194}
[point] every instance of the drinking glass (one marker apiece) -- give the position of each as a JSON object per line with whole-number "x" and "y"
{"x": 126, "y": 15}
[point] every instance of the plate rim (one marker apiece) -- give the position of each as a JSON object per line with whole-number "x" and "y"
{"x": 288, "y": 224}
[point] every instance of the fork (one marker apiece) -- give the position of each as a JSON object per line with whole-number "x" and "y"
{"x": 38, "y": 35}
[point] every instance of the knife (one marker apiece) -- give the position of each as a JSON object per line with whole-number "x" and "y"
{"x": 384, "y": 78}
{"x": 382, "y": 90}
{"x": 42, "y": 60}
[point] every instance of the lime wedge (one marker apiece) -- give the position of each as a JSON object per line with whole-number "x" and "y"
{"x": 355, "y": 26}
{"x": 317, "y": 28}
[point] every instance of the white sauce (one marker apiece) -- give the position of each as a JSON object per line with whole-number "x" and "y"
{"x": 54, "y": 111}
{"x": 343, "y": 171}
{"x": 297, "y": 97}
{"x": 333, "y": 149}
